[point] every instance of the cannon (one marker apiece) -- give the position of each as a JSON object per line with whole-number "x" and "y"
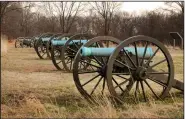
{"x": 56, "y": 51}
{"x": 22, "y": 42}
{"x": 44, "y": 42}
{"x": 27, "y": 42}
{"x": 35, "y": 38}
{"x": 57, "y": 36}
{"x": 47, "y": 46}
{"x": 41, "y": 44}
{"x": 64, "y": 50}
{"x": 71, "y": 47}
{"x": 124, "y": 68}
{"x": 140, "y": 65}
{"x": 18, "y": 42}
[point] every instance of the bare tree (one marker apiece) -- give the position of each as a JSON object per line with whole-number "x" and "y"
{"x": 106, "y": 10}
{"x": 178, "y": 6}
{"x": 49, "y": 13}
{"x": 26, "y": 21}
{"x": 67, "y": 14}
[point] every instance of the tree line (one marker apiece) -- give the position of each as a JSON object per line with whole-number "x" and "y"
{"x": 102, "y": 18}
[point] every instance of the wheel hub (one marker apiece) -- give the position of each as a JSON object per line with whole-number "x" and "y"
{"x": 102, "y": 71}
{"x": 140, "y": 74}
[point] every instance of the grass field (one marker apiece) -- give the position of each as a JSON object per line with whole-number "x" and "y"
{"x": 32, "y": 87}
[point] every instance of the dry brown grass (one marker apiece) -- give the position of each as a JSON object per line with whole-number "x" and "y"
{"x": 34, "y": 88}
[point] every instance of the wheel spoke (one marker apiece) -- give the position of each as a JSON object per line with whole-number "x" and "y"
{"x": 100, "y": 63}
{"x": 93, "y": 61}
{"x": 90, "y": 64}
{"x": 59, "y": 62}
{"x": 141, "y": 82}
{"x": 124, "y": 64}
{"x": 103, "y": 86}
{"x": 68, "y": 61}
{"x": 75, "y": 45}
{"x": 71, "y": 63}
{"x": 157, "y": 72}
{"x": 82, "y": 64}
{"x": 43, "y": 54}
{"x": 103, "y": 60}
{"x": 120, "y": 73}
{"x": 151, "y": 89}
{"x": 117, "y": 84}
{"x": 157, "y": 63}
{"x": 144, "y": 53}
{"x": 121, "y": 83}
{"x": 91, "y": 80}
{"x": 96, "y": 86}
{"x": 128, "y": 87}
{"x": 67, "y": 57}
{"x": 157, "y": 81}
{"x": 147, "y": 63}
{"x": 56, "y": 54}
{"x": 137, "y": 88}
{"x": 129, "y": 58}
{"x": 121, "y": 77}
{"x": 91, "y": 67}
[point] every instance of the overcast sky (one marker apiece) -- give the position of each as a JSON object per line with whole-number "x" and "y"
{"x": 139, "y": 7}
{"x": 131, "y": 7}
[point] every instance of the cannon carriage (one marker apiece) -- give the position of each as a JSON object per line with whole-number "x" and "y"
{"x": 41, "y": 45}
{"x": 23, "y": 42}
{"x": 28, "y": 42}
{"x": 56, "y": 49}
{"x": 126, "y": 68}
{"x": 140, "y": 66}
{"x": 18, "y": 42}
{"x": 63, "y": 50}
{"x": 57, "y": 36}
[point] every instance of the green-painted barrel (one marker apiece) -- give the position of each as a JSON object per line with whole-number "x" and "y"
{"x": 91, "y": 51}
{"x": 62, "y": 42}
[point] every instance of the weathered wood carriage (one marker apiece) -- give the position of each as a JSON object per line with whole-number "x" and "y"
{"x": 139, "y": 65}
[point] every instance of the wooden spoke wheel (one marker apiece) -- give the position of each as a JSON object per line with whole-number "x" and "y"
{"x": 40, "y": 46}
{"x": 56, "y": 52}
{"x": 70, "y": 49}
{"x": 91, "y": 81}
{"x": 142, "y": 73}
{"x": 32, "y": 42}
{"x": 19, "y": 43}
{"x": 48, "y": 44}
{"x": 36, "y": 38}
